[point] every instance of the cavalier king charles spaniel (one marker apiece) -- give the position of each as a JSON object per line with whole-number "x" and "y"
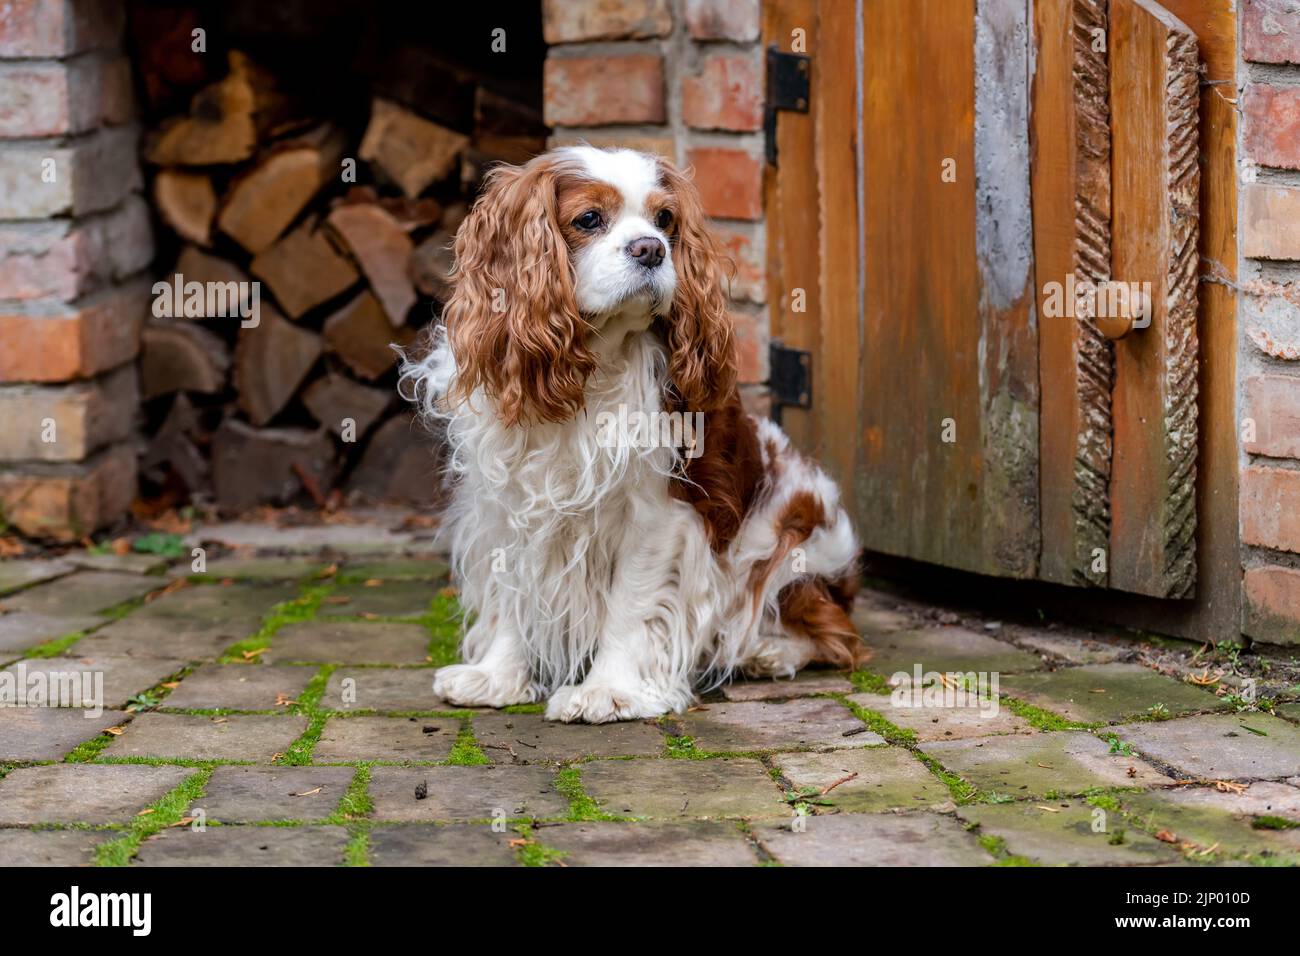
{"x": 621, "y": 531}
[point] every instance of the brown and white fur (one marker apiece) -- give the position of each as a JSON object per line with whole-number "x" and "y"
{"x": 614, "y": 579}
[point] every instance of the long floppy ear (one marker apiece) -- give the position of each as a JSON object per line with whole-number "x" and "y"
{"x": 699, "y": 329}
{"x": 512, "y": 319}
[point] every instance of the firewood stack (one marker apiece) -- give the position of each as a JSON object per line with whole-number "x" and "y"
{"x": 347, "y": 230}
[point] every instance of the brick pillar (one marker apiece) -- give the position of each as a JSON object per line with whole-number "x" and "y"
{"x": 1269, "y": 312}
{"x": 74, "y": 245}
{"x": 682, "y": 78}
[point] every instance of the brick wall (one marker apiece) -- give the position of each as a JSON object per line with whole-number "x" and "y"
{"x": 683, "y": 78}
{"x": 1269, "y": 313}
{"x": 74, "y": 246}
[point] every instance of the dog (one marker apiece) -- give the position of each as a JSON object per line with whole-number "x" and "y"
{"x": 606, "y": 571}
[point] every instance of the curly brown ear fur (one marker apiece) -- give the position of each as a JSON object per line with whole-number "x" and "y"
{"x": 512, "y": 319}
{"x": 698, "y": 328}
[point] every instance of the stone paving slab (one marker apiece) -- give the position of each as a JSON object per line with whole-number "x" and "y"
{"x": 257, "y": 794}
{"x": 123, "y": 677}
{"x": 699, "y": 843}
{"x": 887, "y": 778}
{"x": 683, "y": 789}
{"x": 186, "y": 737}
{"x": 205, "y": 605}
{"x": 1107, "y": 693}
{"x": 530, "y": 738}
{"x": 383, "y": 689}
{"x": 392, "y": 739}
{"x": 464, "y": 793}
{"x": 83, "y": 793}
{"x": 423, "y": 844}
{"x": 1220, "y": 746}
{"x": 874, "y": 839}
{"x": 946, "y": 649}
{"x": 352, "y": 539}
{"x": 50, "y": 847}
{"x": 135, "y": 562}
{"x": 244, "y": 846}
{"x": 804, "y": 684}
{"x": 878, "y": 620}
{"x": 1017, "y": 766}
{"x": 386, "y": 599}
{"x": 945, "y": 723}
{"x": 18, "y": 573}
{"x": 428, "y": 568}
{"x": 240, "y": 687}
{"x": 350, "y": 642}
{"x": 24, "y": 629}
{"x": 1062, "y": 833}
{"x": 1260, "y": 799}
{"x": 136, "y": 636}
{"x": 49, "y": 733}
{"x": 1206, "y": 818}
{"x": 760, "y": 725}
{"x": 1075, "y": 650}
{"x": 263, "y": 569}
{"x": 84, "y": 592}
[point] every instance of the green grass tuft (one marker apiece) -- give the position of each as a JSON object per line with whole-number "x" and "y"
{"x": 582, "y": 807}
{"x": 170, "y": 809}
{"x": 868, "y": 682}
{"x": 465, "y": 752}
{"x": 1041, "y": 719}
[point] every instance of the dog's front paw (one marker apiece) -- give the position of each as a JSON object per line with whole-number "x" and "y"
{"x": 602, "y": 703}
{"x": 471, "y": 686}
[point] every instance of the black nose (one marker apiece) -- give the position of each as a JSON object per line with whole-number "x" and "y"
{"x": 647, "y": 250}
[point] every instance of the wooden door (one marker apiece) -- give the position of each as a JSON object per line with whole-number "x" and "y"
{"x": 968, "y": 157}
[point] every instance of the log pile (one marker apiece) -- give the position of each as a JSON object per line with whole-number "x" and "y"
{"x": 300, "y": 248}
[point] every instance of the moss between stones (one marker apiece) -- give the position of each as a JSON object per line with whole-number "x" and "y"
{"x": 582, "y": 807}
{"x": 1042, "y": 719}
{"x": 163, "y": 813}
{"x": 294, "y": 611}
{"x": 465, "y": 752}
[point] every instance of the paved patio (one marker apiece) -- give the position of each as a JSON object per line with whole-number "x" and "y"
{"x": 276, "y": 710}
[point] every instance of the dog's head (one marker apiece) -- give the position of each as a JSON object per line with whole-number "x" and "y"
{"x": 553, "y": 249}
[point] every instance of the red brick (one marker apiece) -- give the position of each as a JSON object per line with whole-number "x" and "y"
{"x": 1272, "y": 135}
{"x": 53, "y": 98}
{"x": 68, "y": 502}
{"x": 664, "y": 146}
{"x": 751, "y": 346}
{"x": 723, "y": 20}
{"x": 92, "y": 173}
{"x": 1272, "y": 222}
{"x": 1270, "y": 508}
{"x": 1270, "y": 31}
{"x": 64, "y": 259}
{"x": 1273, "y": 403}
{"x": 730, "y": 182}
{"x": 86, "y": 416}
{"x": 728, "y": 94}
{"x": 744, "y": 252}
{"x": 564, "y": 21}
{"x": 1272, "y": 604}
{"x": 35, "y": 28}
{"x": 603, "y": 90}
{"x": 78, "y": 342}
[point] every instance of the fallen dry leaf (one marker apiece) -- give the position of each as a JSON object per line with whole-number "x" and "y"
{"x": 372, "y": 582}
{"x": 121, "y": 546}
{"x": 518, "y": 842}
{"x": 369, "y": 616}
{"x": 115, "y": 731}
{"x": 1048, "y": 809}
{"x": 328, "y": 572}
{"x": 1203, "y": 679}
{"x": 170, "y": 684}
{"x": 252, "y": 655}
{"x": 308, "y": 793}
{"x": 1164, "y": 836}
{"x": 1227, "y": 786}
{"x": 145, "y": 812}
{"x": 449, "y": 591}
{"x": 284, "y": 700}
{"x": 182, "y": 822}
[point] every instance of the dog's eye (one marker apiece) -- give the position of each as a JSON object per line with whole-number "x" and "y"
{"x": 589, "y": 220}
{"x": 664, "y": 219}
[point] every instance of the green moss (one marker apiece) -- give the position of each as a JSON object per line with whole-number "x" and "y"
{"x": 1269, "y": 822}
{"x": 1042, "y": 719}
{"x": 444, "y": 621}
{"x": 55, "y": 647}
{"x": 582, "y": 807}
{"x": 465, "y": 752}
{"x": 682, "y": 747}
{"x": 357, "y": 851}
{"x": 867, "y": 682}
{"x": 299, "y": 752}
{"x": 891, "y": 732}
{"x": 165, "y": 812}
{"x": 90, "y": 750}
{"x": 356, "y": 803}
{"x": 309, "y": 699}
{"x": 532, "y": 852}
{"x": 297, "y": 610}
{"x": 524, "y": 709}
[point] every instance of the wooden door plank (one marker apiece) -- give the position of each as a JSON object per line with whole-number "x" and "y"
{"x": 1071, "y": 200}
{"x": 1155, "y": 213}
{"x": 1008, "y": 332}
{"x": 791, "y": 207}
{"x": 919, "y": 493}
{"x": 838, "y": 365}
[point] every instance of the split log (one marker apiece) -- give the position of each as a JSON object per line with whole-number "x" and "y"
{"x": 187, "y": 202}
{"x": 410, "y": 150}
{"x": 304, "y": 269}
{"x": 334, "y": 399}
{"x": 173, "y": 448}
{"x": 271, "y": 361}
{"x": 262, "y": 203}
{"x": 382, "y": 248}
{"x": 505, "y": 130}
{"x": 222, "y": 124}
{"x": 411, "y": 214}
{"x": 253, "y": 466}
{"x": 362, "y": 337}
{"x": 430, "y": 265}
{"x": 181, "y": 357}
{"x": 399, "y": 465}
{"x": 195, "y": 265}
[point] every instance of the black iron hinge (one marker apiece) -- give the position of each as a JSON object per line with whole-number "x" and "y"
{"x": 789, "y": 378}
{"x": 788, "y": 88}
